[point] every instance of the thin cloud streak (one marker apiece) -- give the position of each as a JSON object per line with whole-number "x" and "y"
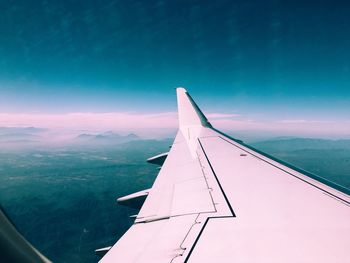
{"x": 221, "y": 116}
{"x": 305, "y": 121}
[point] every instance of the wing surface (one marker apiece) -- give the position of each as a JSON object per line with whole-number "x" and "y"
{"x": 218, "y": 200}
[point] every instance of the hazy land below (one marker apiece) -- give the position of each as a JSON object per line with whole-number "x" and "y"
{"x": 63, "y": 197}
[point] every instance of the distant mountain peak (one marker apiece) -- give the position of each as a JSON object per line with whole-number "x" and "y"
{"x": 132, "y": 135}
{"x": 108, "y": 133}
{"x": 108, "y": 137}
{"x": 7, "y": 130}
{"x": 20, "y": 134}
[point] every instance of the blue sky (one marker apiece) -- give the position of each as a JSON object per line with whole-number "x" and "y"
{"x": 262, "y": 60}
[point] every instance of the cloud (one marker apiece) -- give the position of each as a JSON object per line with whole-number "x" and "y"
{"x": 211, "y": 116}
{"x": 166, "y": 123}
{"x": 118, "y": 121}
{"x": 301, "y": 121}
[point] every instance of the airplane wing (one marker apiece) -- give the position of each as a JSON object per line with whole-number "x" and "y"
{"x": 216, "y": 199}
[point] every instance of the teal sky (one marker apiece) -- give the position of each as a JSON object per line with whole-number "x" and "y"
{"x": 261, "y": 59}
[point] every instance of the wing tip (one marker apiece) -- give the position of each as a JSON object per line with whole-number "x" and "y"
{"x": 189, "y": 112}
{"x": 181, "y": 90}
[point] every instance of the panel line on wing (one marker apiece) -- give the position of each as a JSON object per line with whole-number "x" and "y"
{"x": 217, "y": 180}
{"x": 206, "y": 181}
{"x": 343, "y": 190}
{"x": 181, "y": 245}
{"x": 280, "y": 168}
{"x": 338, "y": 199}
{"x": 201, "y": 232}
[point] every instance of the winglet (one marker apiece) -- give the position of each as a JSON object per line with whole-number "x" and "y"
{"x": 189, "y": 112}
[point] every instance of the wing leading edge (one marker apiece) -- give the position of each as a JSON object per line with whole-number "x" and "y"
{"x": 216, "y": 199}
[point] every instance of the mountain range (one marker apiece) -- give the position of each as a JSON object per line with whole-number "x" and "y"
{"x": 105, "y": 138}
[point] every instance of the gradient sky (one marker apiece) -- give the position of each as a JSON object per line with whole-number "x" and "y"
{"x": 264, "y": 61}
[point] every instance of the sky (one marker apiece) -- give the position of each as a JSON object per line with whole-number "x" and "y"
{"x": 272, "y": 66}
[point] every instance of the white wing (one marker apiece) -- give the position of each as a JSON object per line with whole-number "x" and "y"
{"x": 218, "y": 200}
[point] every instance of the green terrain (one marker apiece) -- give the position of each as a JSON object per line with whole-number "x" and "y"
{"x": 63, "y": 199}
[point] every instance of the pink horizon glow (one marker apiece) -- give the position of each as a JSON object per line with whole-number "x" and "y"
{"x": 166, "y": 122}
